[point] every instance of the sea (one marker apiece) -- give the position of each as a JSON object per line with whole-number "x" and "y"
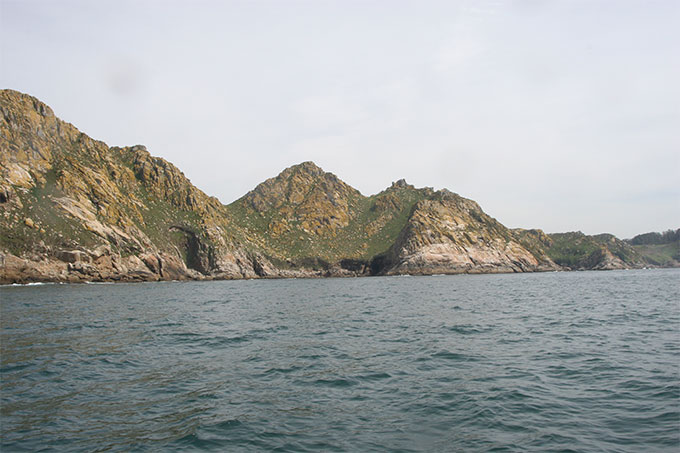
{"x": 569, "y": 362}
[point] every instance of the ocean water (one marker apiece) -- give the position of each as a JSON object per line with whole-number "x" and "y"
{"x": 580, "y": 361}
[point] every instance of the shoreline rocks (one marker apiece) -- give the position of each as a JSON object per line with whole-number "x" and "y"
{"x": 73, "y": 209}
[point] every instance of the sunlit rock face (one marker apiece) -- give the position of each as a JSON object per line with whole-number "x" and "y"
{"x": 74, "y": 209}
{"x": 62, "y": 191}
{"x": 447, "y": 233}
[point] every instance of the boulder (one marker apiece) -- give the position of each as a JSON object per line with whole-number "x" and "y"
{"x": 73, "y": 256}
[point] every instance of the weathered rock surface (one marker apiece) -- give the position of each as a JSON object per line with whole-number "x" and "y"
{"x": 64, "y": 196}
{"x": 73, "y": 209}
{"x": 318, "y": 202}
{"x": 449, "y": 234}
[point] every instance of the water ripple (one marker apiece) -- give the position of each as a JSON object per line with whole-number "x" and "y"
{"x": 582, "y": 361}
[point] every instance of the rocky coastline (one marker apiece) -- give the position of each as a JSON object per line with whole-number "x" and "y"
{"x": 73, "y": 209}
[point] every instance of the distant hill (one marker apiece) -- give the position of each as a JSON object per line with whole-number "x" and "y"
{"x": 603, "y": 251}
{"x": 667, "y": 237}
{"x": 659, "y": 249}
{"x": 74, "y": 209}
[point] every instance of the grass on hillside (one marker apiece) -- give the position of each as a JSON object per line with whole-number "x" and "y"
{"x": 571, "y": 249}
{"x": 58, "y": 231}
{"x": 660, "y": 254}
{"x": 350, "y": 242}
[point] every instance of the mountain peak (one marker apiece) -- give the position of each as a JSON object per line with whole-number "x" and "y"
{"x": 304, "y": 194}
{"x": 307, "y": 166}
{"x": 75, "y": 209}
{"x": 16, "y": 100}
{"x": 296, "y": 184}
{"x": 401, "y": 184}
{"x": 306, "y": 170}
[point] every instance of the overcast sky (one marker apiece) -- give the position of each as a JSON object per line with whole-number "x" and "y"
{"x": 560, "y": 115}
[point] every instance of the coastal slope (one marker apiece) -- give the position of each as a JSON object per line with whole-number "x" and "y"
{"x": 74, "y": 209}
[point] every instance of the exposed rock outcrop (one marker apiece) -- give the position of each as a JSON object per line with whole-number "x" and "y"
{"x": 304, "y": 195}
{"x": 73, "y": 209}
{"x": 448, "y": 234}
{"x": 64, "y": 196}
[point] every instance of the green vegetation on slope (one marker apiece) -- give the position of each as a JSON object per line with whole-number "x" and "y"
{"x": 308, "y": 217}
{"x": 61, "y": 190}
{"x": 571, "y": 249}
{"x": 654, "y": 238}
{"x": 579, "y": 251}
{"x": 659, "y": 249}
{"x": 665, "y": 255}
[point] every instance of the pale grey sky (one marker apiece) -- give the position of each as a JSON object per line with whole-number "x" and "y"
{"x": 562, "y": 115}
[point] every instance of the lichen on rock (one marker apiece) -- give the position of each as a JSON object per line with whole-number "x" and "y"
{"x": 74, "y": 209}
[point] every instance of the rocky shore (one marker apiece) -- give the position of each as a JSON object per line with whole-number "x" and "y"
{"x": 73, "y": 209}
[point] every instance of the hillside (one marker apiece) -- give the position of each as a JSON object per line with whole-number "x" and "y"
{"x": 602, "y": 252}
{"x": 578, "y": 251}
{"x": 306, "y": 215}
{"x": 447, "y": 233}
{"x": 74, "y": 209}
{"x": 658, "y": 249}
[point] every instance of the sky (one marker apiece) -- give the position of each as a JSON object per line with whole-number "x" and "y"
{"x": 562, "y": 115}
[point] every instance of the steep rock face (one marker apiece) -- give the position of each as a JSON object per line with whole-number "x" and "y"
{"x": 305, "y": 198}
{"x": 536, "y": 242}
{"x": 61, "y": 191}
{"x": 73, "y": 209}
{"x": 305, "y": 217}
{"x": 447, "y": 233}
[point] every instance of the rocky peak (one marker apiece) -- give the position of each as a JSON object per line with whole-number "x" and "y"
{"x": 165, "y": 180}
{"x": 68, "y": 190}
{"x": 297, "y": 185}
{"x": 446, "y": 233}
{"x": 24, "y": 120}
{"x": 453, "y": 200}
{"x": 308, "y": 168}
{"x": 401, "y": 184}
{"x": 304, "y": 197}
{"x": 74, "y": 209}
{"x": 16, "y": 101}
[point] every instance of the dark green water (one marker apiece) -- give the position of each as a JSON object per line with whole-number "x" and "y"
{"x": 582, "y": 361}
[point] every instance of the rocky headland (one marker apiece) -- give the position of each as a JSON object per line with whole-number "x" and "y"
{"x": 73, "y": 209}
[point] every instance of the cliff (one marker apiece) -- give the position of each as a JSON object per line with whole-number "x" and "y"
{"x": 447, "y": 233}
{"x": 74, "y": 209}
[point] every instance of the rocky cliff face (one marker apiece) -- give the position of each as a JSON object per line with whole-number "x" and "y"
{"x": 447, "y": 233}
{"x": 74, "y": 209}
{"x": 305, "y": 198}
{"x": 306, "y": 217}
